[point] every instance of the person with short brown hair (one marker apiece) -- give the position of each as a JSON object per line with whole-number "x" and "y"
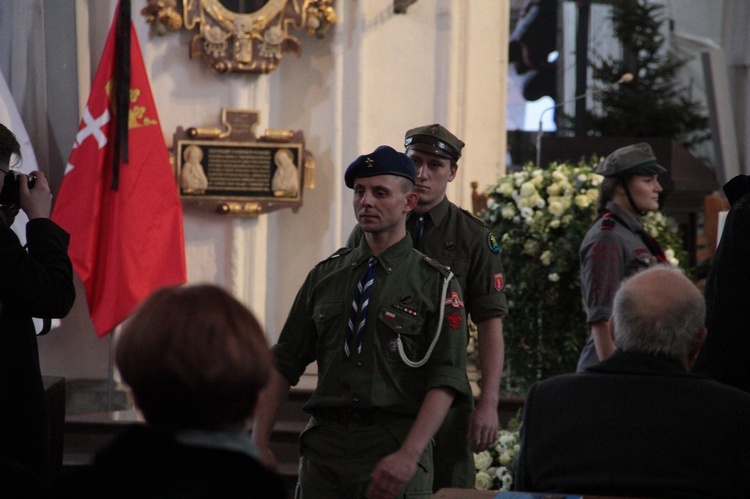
{"x": 195, "y": 359}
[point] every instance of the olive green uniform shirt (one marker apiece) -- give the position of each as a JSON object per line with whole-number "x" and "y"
{"x": 461, "y": 242}
{"x": 405, "y": 300}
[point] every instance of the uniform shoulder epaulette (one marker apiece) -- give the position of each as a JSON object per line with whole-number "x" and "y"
{"x": 445, "y": 271}
{"x": 473, "y": 217}
{"x": 338, "y": 253}
{"x": 607, "y": 224}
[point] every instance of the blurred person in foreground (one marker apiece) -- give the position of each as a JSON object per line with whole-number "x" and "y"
{"x": 195, "y": 359}
{"x": 639, "y": 424}
{"x": 724, "y": 355}
{"x": 35, "y": 281}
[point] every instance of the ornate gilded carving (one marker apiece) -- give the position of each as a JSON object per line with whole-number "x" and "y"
{"x": 253, "y": 42}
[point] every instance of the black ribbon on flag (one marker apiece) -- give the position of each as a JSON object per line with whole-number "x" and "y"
{"x": 121, "y": 91}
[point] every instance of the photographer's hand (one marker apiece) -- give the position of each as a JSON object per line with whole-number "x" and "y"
{"x": 36, "y": 202}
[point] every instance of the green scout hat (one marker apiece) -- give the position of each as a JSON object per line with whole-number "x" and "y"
{"x": 384, "y": 160}
{"x": 434, "y": 139}
{"x": 636, "y": 159}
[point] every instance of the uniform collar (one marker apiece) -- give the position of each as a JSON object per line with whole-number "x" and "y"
{"x": 631, "y": 222}
{"x": 387, "y": 260}
{"x": 437, "y": 214}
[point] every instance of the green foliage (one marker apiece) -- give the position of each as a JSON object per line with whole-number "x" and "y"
{"x": 653, "y": 104}
{"x": 540, "y": 218}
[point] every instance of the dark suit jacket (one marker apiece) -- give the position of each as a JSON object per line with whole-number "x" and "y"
{"x": 636, "y": 425}
{"x": 37, "y": 282}
{"x": 146, "y": 463}
{"x": 726, "y": 353}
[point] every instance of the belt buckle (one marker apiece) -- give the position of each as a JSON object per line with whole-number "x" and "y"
{"x": 357, "y": 417}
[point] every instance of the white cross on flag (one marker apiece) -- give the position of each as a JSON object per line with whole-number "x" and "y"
{"x": 125, "y": 242}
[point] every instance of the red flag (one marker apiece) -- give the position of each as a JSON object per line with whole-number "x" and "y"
{"x": 125, "y": 243}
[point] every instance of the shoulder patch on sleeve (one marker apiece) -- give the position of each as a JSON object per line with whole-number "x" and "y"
{"x": 492, "y": 243}
{"x": 607, "y": 224}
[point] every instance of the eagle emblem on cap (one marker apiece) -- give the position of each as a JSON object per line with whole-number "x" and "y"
{"x": 369, "y": 162}
{"x": 433, "y": 129}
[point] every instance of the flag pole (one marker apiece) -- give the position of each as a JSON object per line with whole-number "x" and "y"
{"x": 111, "y": 372}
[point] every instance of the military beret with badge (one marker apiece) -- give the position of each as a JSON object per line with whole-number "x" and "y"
{"x": 384, "y": 160}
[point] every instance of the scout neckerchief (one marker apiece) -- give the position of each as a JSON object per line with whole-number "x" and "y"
{"x": 359, "y": 307}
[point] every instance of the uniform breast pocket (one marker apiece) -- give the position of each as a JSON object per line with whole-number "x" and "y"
{"x": 326, "y": 316}
{"x": 392, "y": 323}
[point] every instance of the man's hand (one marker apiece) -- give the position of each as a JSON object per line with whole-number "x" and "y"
{"x": 267, "y": 457}
{"x": 392, "y": 474}
{"x": 482, "y": 427}
{"x": 36, "y": 202}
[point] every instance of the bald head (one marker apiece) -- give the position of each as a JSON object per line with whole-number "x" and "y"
{"x": 659, "y": 311}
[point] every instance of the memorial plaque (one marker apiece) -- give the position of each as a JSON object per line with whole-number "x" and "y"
{"x": 220, "y": 170}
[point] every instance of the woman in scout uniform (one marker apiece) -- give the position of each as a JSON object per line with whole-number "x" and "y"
{"x": 616, "y": 246}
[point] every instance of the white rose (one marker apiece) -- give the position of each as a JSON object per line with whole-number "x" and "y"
{"x": 483, "y": 481}
{"x": 546, "y": 259}
{"x": 530, "y": 247}
{"x": 483, "y": 460}
{"x": 506, "y": 188}
{"x": 507, "y": 482}
{"x": 582, "y": 201}
{"x": 508, "y": 211}
{"x": 505, "y": 458}
{"x": 527, "y": 189}
{"x": 553, "y": 277}
{"x": 527, "y": 212}
{"x": 556, "y": 207}
{"x": 554, "y": 223}
{"x": 582, "y": 177}
{"x": 669, "y": 253}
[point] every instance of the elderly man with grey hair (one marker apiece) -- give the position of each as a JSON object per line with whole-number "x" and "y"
{"x": 639, "y": 424}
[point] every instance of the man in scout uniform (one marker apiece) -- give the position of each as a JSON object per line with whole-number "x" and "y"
{"x": 387, "y": 328}
{"x": 461, "y": 242}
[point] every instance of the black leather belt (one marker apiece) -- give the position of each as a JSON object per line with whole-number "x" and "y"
{"x": 347, "y": 416}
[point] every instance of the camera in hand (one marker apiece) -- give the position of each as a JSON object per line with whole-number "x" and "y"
{"x": 12, "y": 188}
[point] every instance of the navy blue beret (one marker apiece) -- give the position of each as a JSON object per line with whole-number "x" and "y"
{"x": 384, "y": 160}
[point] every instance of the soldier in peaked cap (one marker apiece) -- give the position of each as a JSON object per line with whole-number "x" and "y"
{"x": 459, "y": 240}
{"x": 617, "y": 246}
{"x": 387, "y": 327}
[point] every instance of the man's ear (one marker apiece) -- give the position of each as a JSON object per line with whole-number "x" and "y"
{"x": 454, "y": 170}
{"x": 700, "y": 338}
{"x": 611, "y": 329}
{"x": 411, "y": 201}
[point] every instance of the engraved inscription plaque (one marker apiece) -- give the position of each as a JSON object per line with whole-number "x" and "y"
{"x": 217, "y": 170}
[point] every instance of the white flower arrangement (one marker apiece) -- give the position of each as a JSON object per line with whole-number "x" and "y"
{"x": 497, "y": 465}
{"x": 540, "y": 218}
